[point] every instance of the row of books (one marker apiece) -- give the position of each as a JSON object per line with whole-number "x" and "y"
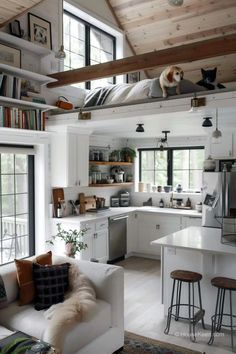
{"x": 10, "y": 86}
{"x": 11, "y": 117}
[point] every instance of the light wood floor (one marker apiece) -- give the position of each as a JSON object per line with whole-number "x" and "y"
{"x": 144, "y": 313}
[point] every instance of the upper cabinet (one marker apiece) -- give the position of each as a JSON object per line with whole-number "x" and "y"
{"x": 69, "y": 159}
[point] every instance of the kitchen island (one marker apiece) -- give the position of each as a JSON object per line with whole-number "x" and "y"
{"x": 196, "y": 249}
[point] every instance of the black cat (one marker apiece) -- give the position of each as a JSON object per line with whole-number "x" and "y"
{"x": 209, "y": 80}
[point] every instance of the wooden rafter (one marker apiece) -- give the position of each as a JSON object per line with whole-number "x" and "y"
{"x": 186, "y": 53}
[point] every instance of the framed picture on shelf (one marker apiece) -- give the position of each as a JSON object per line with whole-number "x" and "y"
{"x": 132, "y": 78}
{"x": 15, "y": 29}
{"x": 10, "y": 56}
{"x": 40, "y": 31}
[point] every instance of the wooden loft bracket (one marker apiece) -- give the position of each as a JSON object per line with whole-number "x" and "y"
{"x": 210, "y": 48}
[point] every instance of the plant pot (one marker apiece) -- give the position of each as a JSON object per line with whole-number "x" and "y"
{"x": 69, "y": 250}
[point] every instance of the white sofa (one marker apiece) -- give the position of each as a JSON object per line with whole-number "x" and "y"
{"x": 102, "y": 332}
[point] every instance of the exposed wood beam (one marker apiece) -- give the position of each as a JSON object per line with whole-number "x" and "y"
{"x": 186, "y": 53}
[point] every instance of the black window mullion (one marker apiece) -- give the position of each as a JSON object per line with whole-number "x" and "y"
{"x": 87, "y": 52}
{"x": 169, "y": 167}
{"x": 31, "y": 201}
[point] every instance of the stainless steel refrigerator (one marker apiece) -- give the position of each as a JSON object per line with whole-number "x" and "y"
{"x": 219, "y": 202}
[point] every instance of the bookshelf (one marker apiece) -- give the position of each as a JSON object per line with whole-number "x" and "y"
{"x": 21, "y": 43}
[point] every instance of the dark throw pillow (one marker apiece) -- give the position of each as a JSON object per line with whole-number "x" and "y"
{"x": 24, "y": 270}
{"x": 51, "y": 283}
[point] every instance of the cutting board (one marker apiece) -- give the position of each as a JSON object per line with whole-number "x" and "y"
{"x": 86, "y": 203}
{"x": 57, "y": 193}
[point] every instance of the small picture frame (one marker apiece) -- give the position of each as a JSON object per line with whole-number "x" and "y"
{"x": 132, "y": 78}
{"x": 40, "y": 31}
{"x": 10, "y": 56}
{"x": 15, "y": 28}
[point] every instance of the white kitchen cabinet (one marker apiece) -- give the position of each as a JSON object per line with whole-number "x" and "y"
{"x": 69, "y": 159}
{"x": 188, "y": 221}
{"x": 97, "y": 239}
{"x": 132, "y": 227}
{"x": 152, "y": 226}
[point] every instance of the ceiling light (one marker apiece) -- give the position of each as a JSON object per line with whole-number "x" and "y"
{"x": 176, "y": 2}
{"x": 162, "y": 143}
{"x": 216, "y": 135}
{"x": 140, "y": 128}
{"x": 61, "y": 54}
{"x": 207, "y": 122}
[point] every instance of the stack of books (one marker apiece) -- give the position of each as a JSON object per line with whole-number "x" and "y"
{"x": 12, "y": 117}
{"x": 10, "y": 86}
{"x": 33, "y": 97}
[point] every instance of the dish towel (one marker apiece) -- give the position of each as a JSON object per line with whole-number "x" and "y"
{"x": 3, "y": 294}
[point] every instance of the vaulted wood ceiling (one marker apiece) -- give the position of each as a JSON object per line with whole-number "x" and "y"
{"x": 154, "y": 24}
{"x": 11, "y": 9}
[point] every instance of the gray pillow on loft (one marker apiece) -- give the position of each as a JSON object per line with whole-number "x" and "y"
{"x": 186, "y": 86}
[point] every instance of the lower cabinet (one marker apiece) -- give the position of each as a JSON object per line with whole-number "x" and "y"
{"x": 152, "y": 226}
{"x": 97, "y": 240}
{"x": 190, "y": 221}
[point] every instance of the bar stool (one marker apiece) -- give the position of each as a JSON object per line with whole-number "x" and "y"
{"x": 185, "y": 276}
{"x": 223, "y": 284}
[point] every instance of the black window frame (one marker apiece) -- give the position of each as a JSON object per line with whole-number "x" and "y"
{"x": 31, "y": 200}
{"x": 88, "y": 25}
{"x": 169, "y": 159}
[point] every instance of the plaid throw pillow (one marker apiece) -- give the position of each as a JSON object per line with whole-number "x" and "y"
{"x": 51, "y": 283}
{"x": 3, "y": 294}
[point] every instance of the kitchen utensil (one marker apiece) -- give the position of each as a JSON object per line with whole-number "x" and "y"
{"x": 148, "y": 187}
{"x": 141, "y": 186}
{"x": 167, "y": 189}
{"x": 154, "y": 189}
{"x": 159, "y": 189}
{"x": 110, "y": 180}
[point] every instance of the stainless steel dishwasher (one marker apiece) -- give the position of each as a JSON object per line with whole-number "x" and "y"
{"x": 117, "y": 237}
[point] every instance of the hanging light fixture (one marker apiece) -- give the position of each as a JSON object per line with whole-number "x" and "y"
{"x": 207, "y": 122}
{"x": 162, "y": 143}
{"x": 61, "y": 54}
{"x": 216, "y": 135}
{"x": 140, "y": 128}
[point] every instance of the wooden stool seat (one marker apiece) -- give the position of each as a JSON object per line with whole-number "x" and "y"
{"x": 186, "y": 275}
{"x": 224, "y": 283}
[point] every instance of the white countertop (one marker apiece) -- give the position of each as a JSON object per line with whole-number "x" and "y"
{"x": 124, "y": 210}
{"x": 204, "y": 239}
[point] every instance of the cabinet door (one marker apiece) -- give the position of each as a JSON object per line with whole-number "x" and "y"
{"x": 132, "y": 227}
{"x": 87, "y": 254}
{"x": 82, "y": 160}
{"x": 100, "y": 245}
{"x": 152, "y": 227}
{"x": 72, "y": 159}
{"x": 59, "y": 162}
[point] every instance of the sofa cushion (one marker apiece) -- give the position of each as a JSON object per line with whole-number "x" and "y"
{"x": 51, "y": 283}
{"x": 33, "y": 323}
{"x": 24, "y": 269}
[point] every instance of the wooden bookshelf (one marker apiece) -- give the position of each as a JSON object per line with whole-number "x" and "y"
{"x": 110, "y": 163}
{"x": 124, "y": 184}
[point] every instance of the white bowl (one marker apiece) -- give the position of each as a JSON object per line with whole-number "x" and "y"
{"x": 110, "y": 180}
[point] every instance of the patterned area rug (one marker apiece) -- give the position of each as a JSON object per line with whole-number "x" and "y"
{"x": 135, "y": 344}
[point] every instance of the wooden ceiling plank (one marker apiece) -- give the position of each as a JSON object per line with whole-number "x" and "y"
{"x": 175, "y": 14}
{"x": 186, "y": 53}
{"x": 28, "y": 5}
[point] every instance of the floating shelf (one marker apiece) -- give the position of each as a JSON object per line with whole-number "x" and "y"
{"x": 125, "y": 184}
{"x": 21, "y": 43}
{"x": 110, "y": 163}
{"x": 26, "y": 74}
{"x": 12, "y": 102}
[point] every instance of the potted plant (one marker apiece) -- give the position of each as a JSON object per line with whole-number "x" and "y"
{"x": 115, "y": 156}
{"x": 128, "y": 154}
{"x": 72, "y": 239}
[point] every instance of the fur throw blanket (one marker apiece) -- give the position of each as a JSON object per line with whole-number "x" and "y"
{"x": 78, "y": 302}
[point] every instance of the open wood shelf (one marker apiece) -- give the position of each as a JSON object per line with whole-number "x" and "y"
{"x": 124, "y": 184}
{"x": 110, "y": 163}
{"x": 13, "y": 102}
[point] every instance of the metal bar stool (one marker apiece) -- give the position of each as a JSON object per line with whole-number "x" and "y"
{"x": 185, "y": 276}
{"x": 223, "y": 284}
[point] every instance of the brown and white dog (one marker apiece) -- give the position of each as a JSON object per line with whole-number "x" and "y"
{"x": 171, "y": 77}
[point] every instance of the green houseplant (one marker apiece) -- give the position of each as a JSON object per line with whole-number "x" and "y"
{"x": 72, "y": 239}
{"x": 128, "y": 154}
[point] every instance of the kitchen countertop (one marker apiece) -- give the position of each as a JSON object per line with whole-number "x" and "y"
{"x": 196, "y": 238}
{"x": 123, "y": 210}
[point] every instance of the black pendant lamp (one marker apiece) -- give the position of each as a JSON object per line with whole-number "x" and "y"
{"x": 140, "y": 128}
{"x": 207, "y": 123}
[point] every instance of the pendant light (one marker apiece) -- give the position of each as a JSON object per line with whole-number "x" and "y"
{"x": 140, "y": 128}
{"x": 207, "y": 122}
{"x": 61, "y": 54}
{"x": 162, "y": 143}
{"x": 216, "y": 135}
